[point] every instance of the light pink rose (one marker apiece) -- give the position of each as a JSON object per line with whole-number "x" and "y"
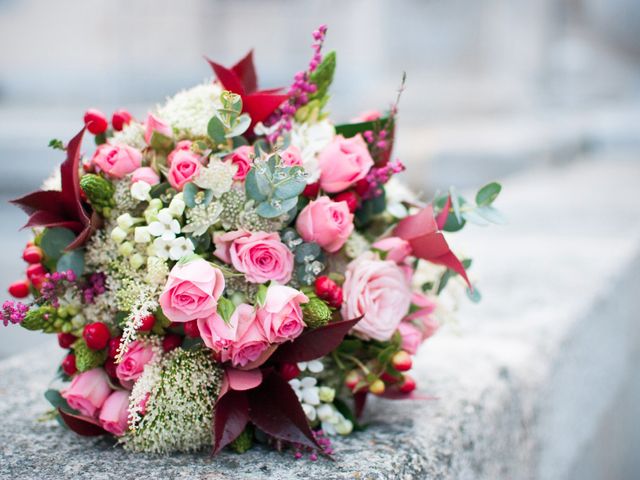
{"x": 397, "y": 249}
{"x": 181, "y": 146}
{"x": 192, "y": 291}
{"x": 411, "y": 337}
{"x": 88, "y": 391}
{"x": 216, "y": 334}
{"x": 380, "y": 292}
{"x": 250, "y": 342}
{"x": 154, "y": 124}
{"x": 145, "y": 174}
{"x": 114, "y": 413}
{"x": 280, "y": 318}
{"x": 241, "y": 157}
{"x": 291, "y": 156}
{"x": 133, "y": 361}
{"x": 368, "y": 116}
{"x": 185, "y": 166}
{"x": 343, "y": 162}
{"x": 325, "y": 222}
{"x": 422, "y": 316}
{"x": 261, "y": 256}
{"x": 116, "y": 160}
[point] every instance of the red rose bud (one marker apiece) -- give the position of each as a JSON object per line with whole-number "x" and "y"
{"x": 350, "y": 197}
{"x": 114, "y": 344}
{"x": 120, "y": 118}
{"x": 311, "y": 190}
{"x": 352, "y": 379}
{"x": 408, "y": 385}
{"x": 110, "y": 367}
{"x": 289, "y": 371}
{"x": 191, "y": 329}
{"x": 65, "y": 340}
{"x": 171, "y": 341}
{"x": 69, "y": 364}
{"x": 401, "y": 361}
{"x": 19, "y": 289}
{"x": 147, "y": 323}
{"x": 377, "y": 387}
{"x": 32, "y": 254}
{"x": 96, "y": 335}
{"x": 95, "y": 121}
{"x": 35, "y": 270}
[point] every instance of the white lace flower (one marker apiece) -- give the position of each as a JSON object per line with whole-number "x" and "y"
{"x": 140, "y": 190}
{"x": 306, "y": 390}
{"x": 132, "y": 134}
{"x": 180, "y": 247}
{"x": 217, "y": 177}
{"x": 311, "y": 138}
{"x": 190, "y": 110}
{"x": 165, "y": 226}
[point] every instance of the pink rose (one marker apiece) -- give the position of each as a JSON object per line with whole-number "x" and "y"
{"x": 397, "y": 249}
{"x": 154, "y": 124}
{"x": 88, "y": 391}
{"x": 116, "y": 160}
{"x": 422, "y": 316}
{"x": 216, "y": 333}
{"x": 343, "y": 162}
{"x": 261, "y": 256}
{"x": 411, "y": 337}
{"x": 133, "y": 361}
{"x": 192, "y": 291}
{"x": 185, "y": 166}
{"x": 280, "y": 318}
{"x": 115, "y": 412}
{"x": 325, "y": 222}
{"x": 241, "y": 157}
{"x": 181, "y": 146}
{"x": 291, "y": 156}
{"x": 380, "y": 292}
{"x": 145, "y": 174}
{"x": 368, "y": 116}
{"x": 250, "y": 343}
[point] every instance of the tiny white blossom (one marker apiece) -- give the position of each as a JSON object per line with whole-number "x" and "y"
{"x": 142, "y": 235}
{"x": 306, "y": 390}
{"x": 180, "y": 247}
{"x": 314, "y": 366}
{"x": 161, "y": 248}
{"x": 140, "y": 190}
{"x": 125, "y": 221}
{"x": 177, "y": 205}
{"x": 217, "y": 177}
{"x": 325, "y": 412}
{"x": 309, "y": 411}
{"x": 165, "y": 227}
{"x": 118, "y": 235}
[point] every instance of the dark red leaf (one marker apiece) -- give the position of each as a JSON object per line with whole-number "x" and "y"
{"x": 231, "y": 416}
{"x": 87, "y": 427}
{"x": 260, "y": 105}
{"x": 275, "y": 409}
{"x": 70, "y": 179}
{"x": 246, "y": 72}
{"x": 359, "y": 402}
{"x": 228, "y": 78}
{"x": 315, "y": 343}
{"x": 444, "y": 214}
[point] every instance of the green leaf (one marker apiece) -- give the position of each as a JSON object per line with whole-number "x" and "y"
{"x": 474, "y": 295}
{"x": 444, "y": 279}
{"x": 261, "y": 295}
{"x": 189, "y": 192}
{"x": 160, "y": 189}
{"x": 57, "y": 401}
{"x": 240, "y": 126}
{"x": 323, "y": 76}
{"x": 307, "y": 250}
{"x": 487, "y": 194}
{"x": 473, "y": 217}
{"x": 216, "y": 130}
{"x": 352, "y": 129}
{"x": 55, "y": 240}
{"x": 253, "y": 186}
{"x": 452, "y": 224}
{"x": 455, "y": 203}
{"x": 269, "y": 210}
{"x": 56, "y": 144}
{"x": 290, "y": 188}
{"x": 260, "y": 147}
{"x": 225, "y": 309}
{"x": 161, "y": 142}
{"x": 73, "y": 260}
{"x": 491, "y": 214}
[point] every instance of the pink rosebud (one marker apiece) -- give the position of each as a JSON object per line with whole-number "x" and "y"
{"x": 182, "y": 145}
{"x": 380, "y": 292}
{"x": 280, "y": 318}
{"x": 216, "y": 333}
{"x": 325, "y": 222}
{"x": 250, "y": 344}
{"x": 344, "y": 162}
{"x": 423, "y": 315}
{"x": 192, "y": 291}
{"x": 183, "y": 168}
{"x": 261, "y": 256}
{"x": 115, "y": 412}
{"x": 367, "y": 116}
{"x": 241, "y": 157}
{"x": 397, "y": 249}
{"x": 291, "y": 156}
{"x": 145, "y": 174}
{"x": 88, "y": 391}
{"x": 154, "y": 124}
{"x": 133, "y": 361}
{"x": 116, "y": 160}
{"x": 411, "y": 337}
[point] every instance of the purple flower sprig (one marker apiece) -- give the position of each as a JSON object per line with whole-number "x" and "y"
{"x": 13, "y": 312}
{"x": 96, "y": 285}
{"x": 54, "y": 286}
{"x": 321, "y": 439}
{"x": 378, "y": 176}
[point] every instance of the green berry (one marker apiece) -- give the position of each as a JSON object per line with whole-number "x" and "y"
{"x": 316, "y": 313}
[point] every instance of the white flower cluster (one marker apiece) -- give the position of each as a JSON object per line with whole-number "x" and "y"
{"x": 132, "y": 135}
{"x": 317, "y": 400}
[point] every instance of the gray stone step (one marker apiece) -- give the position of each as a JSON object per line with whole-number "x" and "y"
{"x": 528, "y": 384}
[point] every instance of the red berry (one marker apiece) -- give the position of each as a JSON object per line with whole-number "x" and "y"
{"x": 335, "y": 298}
{"x": 408, "y": 385}
{"x": 377, "y": 387}
{"x": 311, "y": 190}
{"x": 19, "y": 289}
{"x": 324, "y": 286}
{"x": 65, "y": 340}
{"x": 120, "y": 118}
{"x": 35, "y": 270}
{"x": 289, "y": 371}
{"x": 171, "y": 341}
{"x": 191, "y": 329}
{"x": 32, "y": 254}
{"x": 352, "y": 379}
{"x": 110, "y": 367}
{"x": 114, "y": 344}
{"x": 362, "y": 186}
{"x": 350, "y": 197}
{"x": 95, "y": 121}
{"x": 401, "y": 361}
{"x": 69, "y": 364}
{"x": 147, "y": 323}
{"x": 96, "y": 335}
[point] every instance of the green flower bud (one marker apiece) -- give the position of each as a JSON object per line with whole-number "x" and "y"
{"x": 244, "y": 441}
{"x": 99, "y": 191}
{"x": 316, "y": 313}
{"x": 38, "y": 318}
{"x": 86, "y": 359}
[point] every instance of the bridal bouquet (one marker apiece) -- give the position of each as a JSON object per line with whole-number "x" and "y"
{"x": 236, "y": 268}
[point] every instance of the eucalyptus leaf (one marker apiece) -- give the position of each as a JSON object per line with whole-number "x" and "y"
{"x": 474, "y": 295}
{"x": 473, "y": 217}
{"x": 73, "y": 260}
{"x": 261, "y": 147}
{"x": 55, "y": 240}
{"x": 307, "y": 250}
{"x": 491, "y": 214}
{"x": 455, "y": 203}
{"x": 216, "y": 130}
{"x": 487, "y": 194}
{"x": 290, "y": 188}
{"x": 251, "y": 186}
{"x": 240, "y": 126}
{"x": 189, "y": 193}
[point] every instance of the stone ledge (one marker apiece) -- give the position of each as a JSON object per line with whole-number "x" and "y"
{"x": 522, "y": 382}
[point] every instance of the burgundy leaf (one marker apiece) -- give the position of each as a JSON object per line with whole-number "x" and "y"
{"x": 231, "y": 416}
{"x": 85, "y": 426}
{"x": 275, "y": 409}
{"x": 228, "y": 78}
{"x": 260, "y": 105}
{"x": 441, "y": 219}
{"x": 315, "y": 343}
{"x": 359, "y": 402}
{"x": 246, "y": 72}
